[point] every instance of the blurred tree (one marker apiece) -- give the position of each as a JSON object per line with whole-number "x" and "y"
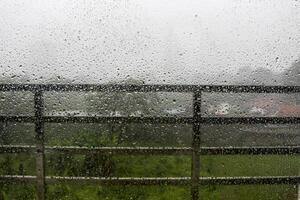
{"x": 15, "y": 102}
{"x": 291, "y": 76}
{"x": 62, "y": 101}
{"x": 261, "y": 76}
{"x": 258, "y": 76}
{"x": 243, "y": 76}
{"x": 117, "y": 104}
{"x": 123, "y": 103}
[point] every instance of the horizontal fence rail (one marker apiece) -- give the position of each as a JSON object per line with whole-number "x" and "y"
{"x": 169, "y": 181}
{"x": 150, "y": 88}
{"x": 194, "y": 181}
{"x": 277, "y": 150}
{"x": 153, "y": 120}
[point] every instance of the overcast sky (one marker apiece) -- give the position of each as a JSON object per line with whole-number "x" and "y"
{"x": 170, "y": 41}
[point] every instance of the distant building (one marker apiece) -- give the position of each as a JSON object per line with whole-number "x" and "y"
{"x": 137, "y": 113}
{"x": 66, "y": 113}
{"x": 257, "y": 111}
{"x": 272, "y": 106}
{"x": 115, "y": 113}
{"x": 289, "y": 111}
{"x": 223, "y": 109}
{"x": 263, "y": 106}
{"x": 174, "y": 111}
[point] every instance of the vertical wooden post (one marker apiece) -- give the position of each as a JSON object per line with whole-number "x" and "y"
{"x": 40, "y": 154}
{"x": 196, "y": 146}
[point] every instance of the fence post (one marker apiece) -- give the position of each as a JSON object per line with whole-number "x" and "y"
{"x": 40, "y": 154}
{"x": 196, "y": 145}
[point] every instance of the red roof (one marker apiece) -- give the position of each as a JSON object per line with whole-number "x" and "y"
{"x": 289, "y": 111}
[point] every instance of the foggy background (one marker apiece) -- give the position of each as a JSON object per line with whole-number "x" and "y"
{"x": 157, "y": 41}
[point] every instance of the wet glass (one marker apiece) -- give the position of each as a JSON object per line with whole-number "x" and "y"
{"x": 149, "y": 99}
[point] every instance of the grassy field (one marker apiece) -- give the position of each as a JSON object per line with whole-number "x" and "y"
{"x": 138, "y": 166}
{"x": 166, "y": 166}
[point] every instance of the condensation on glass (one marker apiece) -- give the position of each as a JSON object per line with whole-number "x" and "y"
{"x": 149, "y": 99}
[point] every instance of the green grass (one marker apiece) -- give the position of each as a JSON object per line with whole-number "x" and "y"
{"x": 160, "y": 166}
{"x": 149, "y": 166}
{"x": 246, "y": 192}
{"x": 82, "y": 192}
{"x": 247, "y": 165}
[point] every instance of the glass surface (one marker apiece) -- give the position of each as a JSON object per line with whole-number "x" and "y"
{"x": 145, "y": 62}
